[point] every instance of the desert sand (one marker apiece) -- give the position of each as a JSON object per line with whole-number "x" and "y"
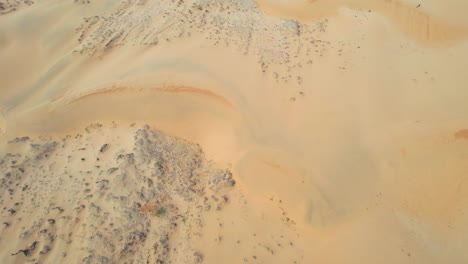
{"x": 210, "y": 131}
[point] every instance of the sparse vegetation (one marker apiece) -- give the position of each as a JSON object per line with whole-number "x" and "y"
{"x": 160, "y": 212}
{"x": 149, "y": 178}
{"x": 283, "y": 43}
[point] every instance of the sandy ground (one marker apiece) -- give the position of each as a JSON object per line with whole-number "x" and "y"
{"x": 237, "y": 131}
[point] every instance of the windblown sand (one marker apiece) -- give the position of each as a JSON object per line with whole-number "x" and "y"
{"x": 210, "y": 131}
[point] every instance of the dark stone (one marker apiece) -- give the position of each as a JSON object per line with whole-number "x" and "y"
{"x": 103, "y": 148}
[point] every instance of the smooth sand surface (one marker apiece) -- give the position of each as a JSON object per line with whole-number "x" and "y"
{"x": 344, "y": 125}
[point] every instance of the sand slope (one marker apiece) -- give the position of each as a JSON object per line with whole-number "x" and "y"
{"x": 343, "y": 124}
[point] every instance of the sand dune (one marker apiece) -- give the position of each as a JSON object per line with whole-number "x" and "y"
{"x": 425, "y": 22}
{"x": 194, "y": 92}
{"x": 342, "y": 123}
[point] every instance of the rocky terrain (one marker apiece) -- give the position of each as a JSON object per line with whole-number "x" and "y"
{"x": 89, "y": 198}
{"x": 284, "y": 43}
{"x": 7, "y": 6}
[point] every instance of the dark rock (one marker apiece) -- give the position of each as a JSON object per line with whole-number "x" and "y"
{"x": 45, "y": 250}
{"x": 112, "y": 170}
{"x": 198, "y": 257}
{"x": 103, "y": 148}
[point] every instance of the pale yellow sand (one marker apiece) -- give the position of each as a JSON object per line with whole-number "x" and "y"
{"x": 343, "y": 122}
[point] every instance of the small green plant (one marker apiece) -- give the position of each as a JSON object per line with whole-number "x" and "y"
{"x": 160, "y": 212}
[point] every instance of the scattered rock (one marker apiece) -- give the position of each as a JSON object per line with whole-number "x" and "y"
{"x": 46, "y": 249}
{"x": 103, "y": 148}
{"x": 198, "y": 257}
{"x": 159, "y": 191}
{"x": 19, "y": 140}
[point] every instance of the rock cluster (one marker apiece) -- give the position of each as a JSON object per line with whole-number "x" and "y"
{"x": 105, "y": 203}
